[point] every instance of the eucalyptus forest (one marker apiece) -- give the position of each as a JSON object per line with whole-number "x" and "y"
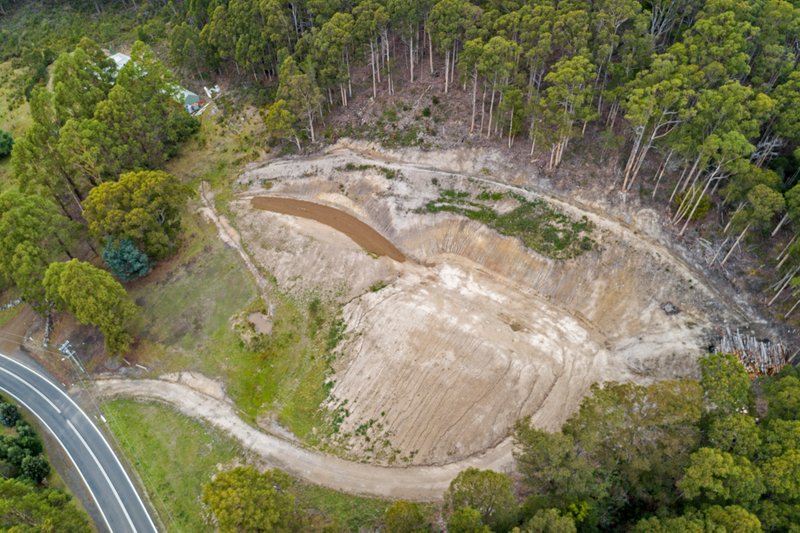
{"x": 666, "y": 132}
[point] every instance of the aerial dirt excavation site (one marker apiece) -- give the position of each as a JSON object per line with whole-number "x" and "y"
{"x": 458, "y": 322}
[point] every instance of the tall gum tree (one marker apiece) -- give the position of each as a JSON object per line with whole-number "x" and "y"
{"x": 302, "y": 96}
{"x": 567, "y": 99}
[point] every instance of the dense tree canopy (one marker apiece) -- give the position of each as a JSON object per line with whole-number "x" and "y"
{"x": 24, "y": 508}
{"x": 243, "y": 499}
{"x": 693, "y": 455}
{"x": 32, "y": 235}
{"x": 143, "y": 207}
{"x": 94, "y": 297}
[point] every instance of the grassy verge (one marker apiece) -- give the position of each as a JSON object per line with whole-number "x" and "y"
{"x": 174, "y": 455}
{"x": 177, "y": 455}
{"x": 536, "y": 223}
{"x": 8, "y": 314}
{"x": 349, "y": 513}
{"x": 284, "y": 375}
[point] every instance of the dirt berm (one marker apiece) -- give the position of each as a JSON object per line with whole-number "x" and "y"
{"x": 474, "y": 330}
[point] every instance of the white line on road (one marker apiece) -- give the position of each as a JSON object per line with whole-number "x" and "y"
{"x": 102, "y": 437}
{"x": 34, "y": 389}
{"x": 102, "y": 470}
{"x": 66, "y": 450}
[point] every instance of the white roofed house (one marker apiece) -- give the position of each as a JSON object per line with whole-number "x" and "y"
{"x": 119, "y": 59}
{"x": 189, "y": 100}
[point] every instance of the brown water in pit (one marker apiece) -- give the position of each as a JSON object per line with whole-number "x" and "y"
{"x": 362, "y": 234}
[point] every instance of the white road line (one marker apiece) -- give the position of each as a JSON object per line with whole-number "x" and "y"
{"x": 66, "y": 450}
{"x": 102, "y": 470}
{"x": 102, "y": 437}
{"x": 34, "y": 389}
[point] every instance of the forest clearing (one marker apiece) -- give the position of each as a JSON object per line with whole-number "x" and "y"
{"x": 469, "y": 308}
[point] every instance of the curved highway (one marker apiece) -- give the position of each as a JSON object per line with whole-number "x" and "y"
{"x": 117, "y": 499}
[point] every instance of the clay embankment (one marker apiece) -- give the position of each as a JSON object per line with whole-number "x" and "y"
{"x": 362, "y": 234}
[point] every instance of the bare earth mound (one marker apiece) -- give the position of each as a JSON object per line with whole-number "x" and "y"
{"x": 475, "y": 330}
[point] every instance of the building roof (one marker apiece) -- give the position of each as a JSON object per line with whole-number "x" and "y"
{"x": 120, "y": 59}
{"x": 188, "y": 96}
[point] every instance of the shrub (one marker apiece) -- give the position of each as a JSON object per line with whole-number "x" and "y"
{"x": 702, "y": 209}
{"x": 405, "y": 517}
{"x": 125, "y": 260}
{"x": 6, "y": 143}
{"x": 8, "y": 414}
{"x": 36, "y": 468}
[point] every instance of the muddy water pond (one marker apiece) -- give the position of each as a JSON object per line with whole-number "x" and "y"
{"x": 361, "y": 233}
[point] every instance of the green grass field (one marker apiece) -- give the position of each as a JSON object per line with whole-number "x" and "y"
{"x": 186, "y": 324}
{"x": 176, "y": 455}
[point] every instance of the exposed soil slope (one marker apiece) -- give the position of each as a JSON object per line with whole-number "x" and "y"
{"x": 476, "y": 330}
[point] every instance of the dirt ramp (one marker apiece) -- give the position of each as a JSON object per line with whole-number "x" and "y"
{"x": 362, "y": 234}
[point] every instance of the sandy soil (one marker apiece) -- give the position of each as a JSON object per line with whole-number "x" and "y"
{"x": 475, "y": 330}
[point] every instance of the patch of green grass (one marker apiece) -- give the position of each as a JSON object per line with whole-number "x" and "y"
{"x": 536, "y": 223}
{"x": 389, "y": 173}
{"x": 204, "y": 287}
{"x": 8, "y": 314}
{"x": 175, "y": 456}
{"x": 186, "y": 324}
{"x": 378, "y": 285}
{"x": 352, "y": 513}
{"x": 288, "y": 376}
{"x": 485, "y": 196}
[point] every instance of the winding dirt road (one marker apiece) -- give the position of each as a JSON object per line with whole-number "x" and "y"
{"x": 426, "y": 483}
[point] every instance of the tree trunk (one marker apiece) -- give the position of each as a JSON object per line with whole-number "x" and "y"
{"x": 483, "y": 108}
{"x": 632, "y": 157}
{"x": 411, "y": 56}
{"x": 699, "y": 199}
{"x": 430, "y": 51}
{"x": 372, "y": 64}
{"x": 791, "y": 310}
{"x": 510, "y": 127}
{"x": 780, "y": 224}
{"x": 446, "y": 69}
{"x": 474, "y": 98}
{"x": 785, "y": 284}
{"x": 453, "y": 64}
{"x": 735, "y": 244}
{"x": 311, "y": 125}
{"x": 491, "y": 109}
{"x": 661, "y": 173}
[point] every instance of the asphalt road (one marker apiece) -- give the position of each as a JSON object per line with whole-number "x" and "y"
{"x": 117, "y": 499}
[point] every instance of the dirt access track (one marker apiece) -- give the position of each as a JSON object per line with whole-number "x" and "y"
{"x": 446, "y": 351}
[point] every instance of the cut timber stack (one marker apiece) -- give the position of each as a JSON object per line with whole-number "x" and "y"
{"x": 760, "y": 357}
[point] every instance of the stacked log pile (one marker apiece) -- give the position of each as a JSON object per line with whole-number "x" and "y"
{"x": 759, "y": 356}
